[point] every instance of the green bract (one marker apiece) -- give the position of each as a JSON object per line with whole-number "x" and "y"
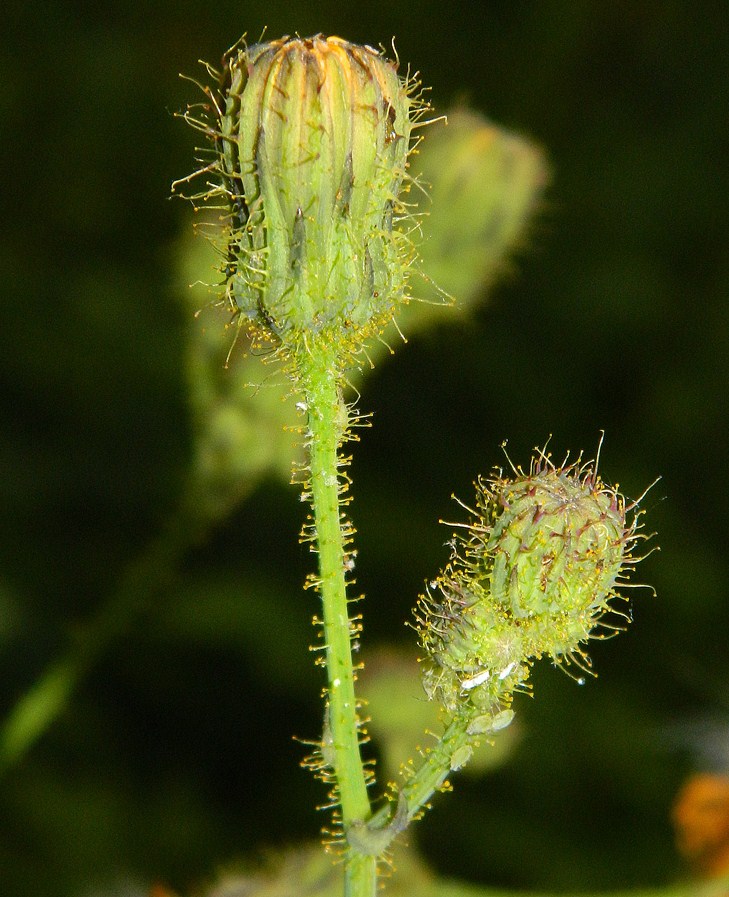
{"x": 314, "y": 137}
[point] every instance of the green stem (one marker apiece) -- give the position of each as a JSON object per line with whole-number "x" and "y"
{"x": 430, "y": 777}
{"x": 327, "y": 416}
{"x": 147, "y": 577}
{"x": 438, "y": 763}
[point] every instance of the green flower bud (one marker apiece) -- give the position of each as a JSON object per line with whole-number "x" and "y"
{"x": 533, "y": 576}
{"x": 484, "y": 185}
{"x": 557, "y": 544}
{"x": 314, "y": 137}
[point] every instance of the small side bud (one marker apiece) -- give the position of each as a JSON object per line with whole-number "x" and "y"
{"x": 533, "y": 575}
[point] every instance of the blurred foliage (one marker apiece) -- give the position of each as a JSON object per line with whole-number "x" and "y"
{"x": 176, "y": 754}
{"x": 306, "y": 873}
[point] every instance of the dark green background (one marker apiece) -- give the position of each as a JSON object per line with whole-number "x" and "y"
{"x": 176, "y": 755}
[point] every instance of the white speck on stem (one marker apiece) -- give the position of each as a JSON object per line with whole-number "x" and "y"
{"x": 505, "y": 672}
{"x": 478, "y": 679}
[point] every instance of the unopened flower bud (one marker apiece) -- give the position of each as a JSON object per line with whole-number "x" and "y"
{"x": 484, "y": 185}
{"x": 533, "y": 576}
{"x": 556, "y": 546}
{"x": 314, "y": 137}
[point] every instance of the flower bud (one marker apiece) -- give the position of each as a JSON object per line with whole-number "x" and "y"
{"x": 533, "y": 575}
{"x": 314, "y": 137}
{"x": 555, "y": 547}
{"x": 484, "y": 185}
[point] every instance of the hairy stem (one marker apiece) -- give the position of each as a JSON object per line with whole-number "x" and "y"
{"x": 431, "y": 776}
{"x": 327, "y": 417}
{"x": 437, "y": 764}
